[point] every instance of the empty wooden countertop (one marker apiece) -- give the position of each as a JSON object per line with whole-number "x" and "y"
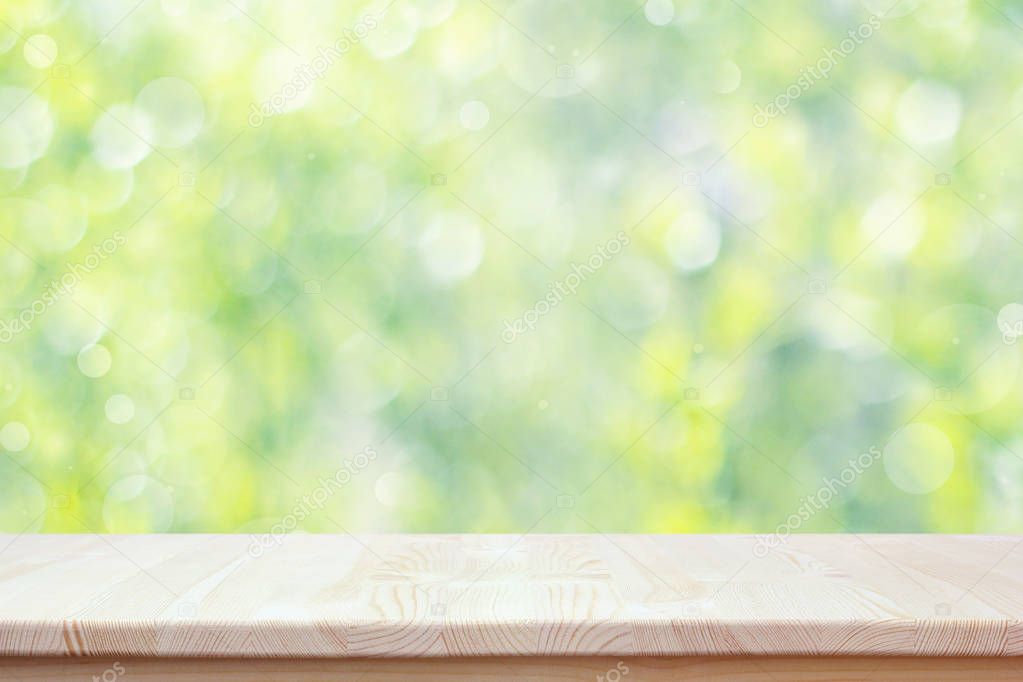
{"x": 348, "y": 596}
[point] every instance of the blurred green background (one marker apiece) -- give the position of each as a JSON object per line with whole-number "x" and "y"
{"x": 248, "y": 247}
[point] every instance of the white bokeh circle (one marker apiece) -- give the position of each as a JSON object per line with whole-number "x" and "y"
{"x": 659, "y": 12}
{"x": 174, "y": 109}
{"x": 40, "y": 51}
{"x": 26, "y": 127}
{"x": 120, "y": 409}
{"x": 474, "y": 115}
{"x": 451, "y": 248}
{"x": 15, "y": 436}
{"x": 928, "y": 113}
{"x": 693, "y": 241}
{"x": 919, "y": 458}
{"x": 94, "y": 361}
{"x": 120, "y": 137}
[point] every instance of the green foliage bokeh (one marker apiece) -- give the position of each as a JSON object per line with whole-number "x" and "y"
{"x": 268, "y": 281}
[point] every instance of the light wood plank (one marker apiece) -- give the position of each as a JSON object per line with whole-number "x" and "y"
{"x": 480, "y": 595}
{"x": 516, "y": 669}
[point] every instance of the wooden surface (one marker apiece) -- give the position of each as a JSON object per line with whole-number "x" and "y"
{"x": 534, "y": 595}
{"x": 517, "y": 669}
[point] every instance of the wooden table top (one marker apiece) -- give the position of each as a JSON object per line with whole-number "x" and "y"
{"x": 486, "y": 595}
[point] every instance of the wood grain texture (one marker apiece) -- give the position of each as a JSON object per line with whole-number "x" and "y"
{"x": 534, "y": 595}
{"x": 518, "y": 669}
